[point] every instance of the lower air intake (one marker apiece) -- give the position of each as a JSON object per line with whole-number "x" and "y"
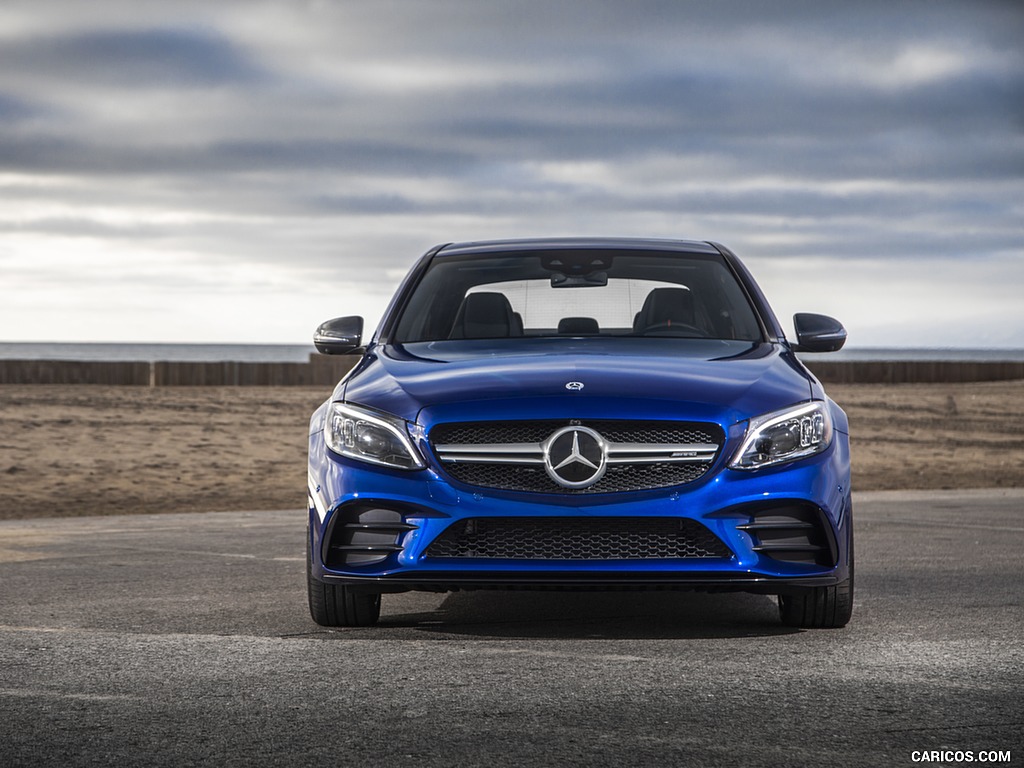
{"x": 574, "y": 538}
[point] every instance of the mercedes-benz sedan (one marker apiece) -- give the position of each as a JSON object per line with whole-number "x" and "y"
{"x": 580, "y": 414}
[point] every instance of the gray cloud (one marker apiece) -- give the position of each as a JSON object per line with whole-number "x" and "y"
{"x": 14, "y": 109}
{"x": 134, "y": 59}
{"x": 330, "y": 143}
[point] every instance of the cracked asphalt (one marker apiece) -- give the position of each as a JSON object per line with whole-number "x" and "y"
{"x": 184, "y": 639}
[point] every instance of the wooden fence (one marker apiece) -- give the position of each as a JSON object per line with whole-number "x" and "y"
{"x": 324, "y": 371}
{"x": 320, "y": 371}
{"x": 914, "y": 371}
{"x": 74, "y": 372}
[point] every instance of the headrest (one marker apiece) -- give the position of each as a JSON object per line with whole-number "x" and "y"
{"x": 578, "y": 326}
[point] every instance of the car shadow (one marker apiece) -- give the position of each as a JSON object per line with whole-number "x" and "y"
{"x": 598, "y": 615}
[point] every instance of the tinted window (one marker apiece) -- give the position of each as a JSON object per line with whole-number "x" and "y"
{"x": 578, "y": 293}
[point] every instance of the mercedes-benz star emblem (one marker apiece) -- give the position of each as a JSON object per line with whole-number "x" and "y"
{"x": 574, "y": 386}
{"x": 575, "y": 457}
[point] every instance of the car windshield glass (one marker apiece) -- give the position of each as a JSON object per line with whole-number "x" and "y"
{"x": 578, "y": 293}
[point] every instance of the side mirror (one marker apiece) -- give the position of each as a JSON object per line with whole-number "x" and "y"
{"x": 339, "y": 336}
{"x": 818, "y": 333}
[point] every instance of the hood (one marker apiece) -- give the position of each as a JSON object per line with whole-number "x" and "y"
{"x": 727, "y": 381}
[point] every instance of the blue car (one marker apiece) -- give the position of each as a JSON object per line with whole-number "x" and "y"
{"x": 580, "y": 414}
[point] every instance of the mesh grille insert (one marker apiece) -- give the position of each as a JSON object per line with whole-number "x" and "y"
{"x": 536, "y": 431}
{"x": 636, "y": 477}
{"x": 574, "y": 538}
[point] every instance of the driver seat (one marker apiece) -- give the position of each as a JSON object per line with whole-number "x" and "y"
{"x": 485, "y": 316}
{"x": 665, "y": 306}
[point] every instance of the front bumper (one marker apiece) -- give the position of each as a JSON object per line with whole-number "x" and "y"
{"x": 424, "y": 504}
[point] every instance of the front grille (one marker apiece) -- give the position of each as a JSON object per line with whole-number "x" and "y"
{"x": 505, "y": 463}
{"x": 575, "y": 538}
{"x": 637, "y": 477}
{"x": 536, "y": 431}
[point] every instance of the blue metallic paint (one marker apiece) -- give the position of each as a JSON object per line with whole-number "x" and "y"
{"x": 711, "y": 376}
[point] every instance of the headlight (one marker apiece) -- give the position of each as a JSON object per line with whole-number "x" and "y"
{"x": 792, "y": 433}
{"x": 378, "y": 438}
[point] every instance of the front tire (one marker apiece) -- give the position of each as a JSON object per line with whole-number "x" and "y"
{"x": 821, "y": 607}
{"x": 333, "y": 605}
{"x": 818, "y": 608}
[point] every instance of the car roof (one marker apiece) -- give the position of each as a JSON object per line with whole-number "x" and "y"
{"x": 576, "y": 244}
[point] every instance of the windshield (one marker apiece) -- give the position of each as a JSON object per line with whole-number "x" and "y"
{"x": 578, "y": 293}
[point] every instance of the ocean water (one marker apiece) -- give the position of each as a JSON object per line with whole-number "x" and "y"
{"x": 299, "y": 353}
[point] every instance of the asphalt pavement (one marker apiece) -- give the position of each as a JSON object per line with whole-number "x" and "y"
{"x": 185, "y": 640}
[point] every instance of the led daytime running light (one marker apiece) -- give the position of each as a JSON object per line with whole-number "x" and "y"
{"x": 370, "y": 436}
{"x": 784, "y": 436}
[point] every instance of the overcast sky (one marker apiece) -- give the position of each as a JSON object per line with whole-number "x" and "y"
{"x": 238, "y": 172}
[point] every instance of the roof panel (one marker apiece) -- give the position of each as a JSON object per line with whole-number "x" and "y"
{"x": 576, "y": 244}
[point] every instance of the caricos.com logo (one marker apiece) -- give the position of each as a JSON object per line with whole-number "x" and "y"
{"x": 960, "y": 756}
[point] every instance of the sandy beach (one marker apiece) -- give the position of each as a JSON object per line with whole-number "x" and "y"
{"x": 92, "y": 450}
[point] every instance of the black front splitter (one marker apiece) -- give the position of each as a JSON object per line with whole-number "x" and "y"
{"x": 446, "y": 582}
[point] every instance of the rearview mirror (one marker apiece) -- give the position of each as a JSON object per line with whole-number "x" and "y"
{"x": 558, "y": 280}
{"x": 818, "y": 333}
{"x": 339, "y": 336}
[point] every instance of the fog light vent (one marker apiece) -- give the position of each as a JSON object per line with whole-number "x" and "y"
{"x": 792, "y": 533}
{"x": 364, "y": 536}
